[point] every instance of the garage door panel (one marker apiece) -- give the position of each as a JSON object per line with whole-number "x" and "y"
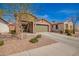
{"x": 41, "y": 28}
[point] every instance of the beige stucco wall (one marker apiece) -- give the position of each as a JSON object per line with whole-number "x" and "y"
{"x": 4, "y": 28}
{"x": 70, "y": 26}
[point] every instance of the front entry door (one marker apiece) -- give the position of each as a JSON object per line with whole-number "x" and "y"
{"x": 27, "y": 27}
{"x": 24, "y": 27}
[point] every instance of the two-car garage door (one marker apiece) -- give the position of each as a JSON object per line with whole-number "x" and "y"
{"x": 41, "y": 28}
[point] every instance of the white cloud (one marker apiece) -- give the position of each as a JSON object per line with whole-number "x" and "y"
{"x": 45, "y": 16}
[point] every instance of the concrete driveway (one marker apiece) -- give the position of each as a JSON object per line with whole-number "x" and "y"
{"x": 66, "y": 46}
{"x": 72, "y": 41}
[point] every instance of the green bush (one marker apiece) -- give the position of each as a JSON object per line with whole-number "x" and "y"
{"x": 34, "y": 40}
{"x": 1, "y": 42}
{"x": 13, "y": 31}
{"x": 38, "y": 36}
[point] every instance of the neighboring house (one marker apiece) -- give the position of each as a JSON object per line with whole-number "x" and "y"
{"x": 57, "y": 27}
{"x": 11, "y": 26}
{"x": 62, "y": 27}
{"x": 3, "y": 26}
{"x": 68, "y": 25}
{"x": 6, "y": 27}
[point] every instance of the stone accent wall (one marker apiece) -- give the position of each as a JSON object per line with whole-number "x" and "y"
{"x": 23, "y": 17}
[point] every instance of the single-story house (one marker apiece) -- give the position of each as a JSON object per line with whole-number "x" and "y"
{"x": 68, "y": 25}
{"x": 62, "y": 27}
{"x": 6, "y": 27}
{"x": 26, "y": 22}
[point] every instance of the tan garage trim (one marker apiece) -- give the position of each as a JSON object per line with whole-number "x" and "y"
{"x": 41, "y": 28}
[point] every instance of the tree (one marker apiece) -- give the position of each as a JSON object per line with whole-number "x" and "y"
{"x": 17, "y": 8}
{"x": 74, "y": 20}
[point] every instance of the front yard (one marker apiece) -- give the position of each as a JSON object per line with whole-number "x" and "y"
{"x": 16, "y": 45}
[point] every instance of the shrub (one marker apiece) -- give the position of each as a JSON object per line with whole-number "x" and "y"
{"x": 1, "y": 42}
{"x": 73, "y": 31}
{"x": 38, "y": 36}
{"x": 66, "y": 31}
{"x": 13, "y": 31}
{"x": 69, "y": 34}
{"x": 34, "y": 40}
{"x": 61, "y": 31}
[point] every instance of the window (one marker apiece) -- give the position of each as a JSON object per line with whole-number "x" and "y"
{"x": 56, "y": 26}
{"x": 66, "y": 26}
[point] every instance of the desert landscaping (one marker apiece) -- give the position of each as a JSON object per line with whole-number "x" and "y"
{"x": 27, "y": 30}
{"x": 13, "y": 45}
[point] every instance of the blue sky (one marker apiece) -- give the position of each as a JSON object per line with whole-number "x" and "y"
{"x": 58, "y": 12}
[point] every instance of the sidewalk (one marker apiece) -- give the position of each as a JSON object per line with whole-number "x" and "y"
{"x": 57, "y": 49}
